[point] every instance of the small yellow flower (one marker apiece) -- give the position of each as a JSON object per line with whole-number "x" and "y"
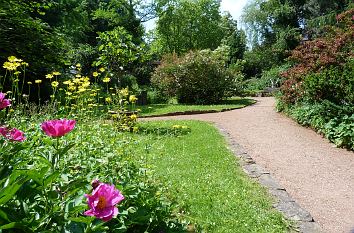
{"x": 124, "y": 92}
{"x": 132, "y": 99}
{"x": 68, "y": 93}
{"x": 55, "y": 84}
{"x": 67, "y": 82}
{"x": 11, "y": 65}
{"x": 78, "y": 76}
{"x": 108, "y": 100}
{"x": 38, "y": 81}
{"x": 86, "y": 84}
{"x": 49, "y": 76}
{"x": 78, "y": 65}
{"x": 93, "y": 94}
{"x": 14, "y": 59}
{"x": 95, "y": 74}
{"x": 81, "y": 89}
{"x": 102, "y": 69}
{"x": 56, "y": 73}
{"x": 24, "y": 64}
{"x": 176, "y": 126}
{"x": 29, "y": 83}
{"x": 133, "y": 117}
{"x": 106, "y": 80}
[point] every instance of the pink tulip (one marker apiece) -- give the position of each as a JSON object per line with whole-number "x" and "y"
{"x": 4, "y": 102}
{"x": 102, "y": 202}
{"x": 13, "y": 134}
{"x": 58, "y": 128}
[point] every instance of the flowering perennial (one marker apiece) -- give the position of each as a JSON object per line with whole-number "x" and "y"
{"x": 4, "y": 102}
{"x": 103, "y": 200}
{"x": 13, "y": 134}
{"x": 58, "y": 128}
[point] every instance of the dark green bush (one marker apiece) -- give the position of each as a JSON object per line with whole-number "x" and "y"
{"x": 199, "y": 77}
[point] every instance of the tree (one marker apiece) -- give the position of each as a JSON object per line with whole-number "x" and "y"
{"x": 188, "y": 25}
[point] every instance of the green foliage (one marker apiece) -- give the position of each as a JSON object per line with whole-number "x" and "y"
{"x": 334, "y": 121}
{"x": 323, "y": 67}
{"x": 270, "y": 78}
{"x": 37, "y": 198}
{"x": 116, "y": 49}
{"x": 188, "y": 25}
{"x": 198, "y": 77}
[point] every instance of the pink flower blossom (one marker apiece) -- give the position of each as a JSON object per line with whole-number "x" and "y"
{"x": 4, "y": 102}
{"x": 102, "y": 202}
{"x": 13, "y": 134}
{"x": 58, "y": 128}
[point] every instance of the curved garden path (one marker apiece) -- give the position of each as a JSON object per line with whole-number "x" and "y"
{"x": 319, "y": 176}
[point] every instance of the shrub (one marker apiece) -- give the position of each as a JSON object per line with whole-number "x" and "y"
{"x": 199, "y": 77}
{"x": 321, "y": 64}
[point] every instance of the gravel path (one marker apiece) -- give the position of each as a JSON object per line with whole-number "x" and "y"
{"x": 315, "y": 173}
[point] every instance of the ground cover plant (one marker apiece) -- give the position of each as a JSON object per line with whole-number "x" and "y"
{"x": 160, "y": 109}
{"x": 211, "y": 188}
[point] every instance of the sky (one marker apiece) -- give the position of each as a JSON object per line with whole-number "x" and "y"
{"x": 233, "y": 6}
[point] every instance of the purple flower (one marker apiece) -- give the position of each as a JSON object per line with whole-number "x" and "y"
{"x": 102, "y": 202}
{"x": 4, "y": 102}
{"x": 58, "y": 128}
{"x": 13, "y": 134}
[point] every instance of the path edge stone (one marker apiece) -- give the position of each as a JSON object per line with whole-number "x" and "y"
{"x": 304, "y": 223}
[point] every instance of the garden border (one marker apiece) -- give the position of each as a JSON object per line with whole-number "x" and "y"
{"x": 283, "y": 202}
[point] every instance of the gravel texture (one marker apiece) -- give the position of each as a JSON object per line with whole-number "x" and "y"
{"x": 316, "y": 174}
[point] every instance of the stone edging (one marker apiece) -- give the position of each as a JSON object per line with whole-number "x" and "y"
{"x": 284, "y": 203}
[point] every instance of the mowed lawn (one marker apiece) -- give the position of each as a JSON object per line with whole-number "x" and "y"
{"x": 202, "y": 173}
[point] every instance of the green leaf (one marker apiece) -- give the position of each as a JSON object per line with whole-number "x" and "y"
{"x": 64, "y": 150}
{"x": 16, "y": 225}
{"x": 86, "y": 220}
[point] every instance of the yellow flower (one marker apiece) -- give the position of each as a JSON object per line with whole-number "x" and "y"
{"x": 132, "y": 99}
{"x": 78, "y": 76}
{"x": 38, "y": 81}
{"x": 133, "y": 117}
{"x": 78, "y": 65}
{"x": 81, "y": 89}
{"x": 49, "y": 76}
{"x": 11, "y": 65}
{"x": 72, "y": 88}
{"x": 24, "y": 63}
{"x": 108, "y": 100}
{"x": 124, "y": 92}
{"x": 106, "y": 80}
{"x": 68, "y": 82}
{"x": 14, "y": 59}
{"x": 17, "y": 73}
{"x": 29, "y": 83}
{"x": 56, "y": 73}
{"x": 86, "y": 84}
{"x": 55, "y": 84}
{"x": 176, "y": 126}
{"x": 95, "y": 74}
{"x": 93, "y": 94}
{"x": 68, "y": 93}
{"x": 102, "y": 69}
{"x": 76, "y": 80}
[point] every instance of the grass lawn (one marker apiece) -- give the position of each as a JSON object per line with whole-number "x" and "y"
{"x": 206, "y": 179}
{"x": 158, "y": 109}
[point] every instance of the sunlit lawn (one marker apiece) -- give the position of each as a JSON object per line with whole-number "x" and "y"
{"x": 206, "y": 178}
{"x": 159, "y": 109}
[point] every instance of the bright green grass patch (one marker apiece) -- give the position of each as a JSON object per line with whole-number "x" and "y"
{"x": 205, "y": 177}
{"x": 158, "y": 109}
